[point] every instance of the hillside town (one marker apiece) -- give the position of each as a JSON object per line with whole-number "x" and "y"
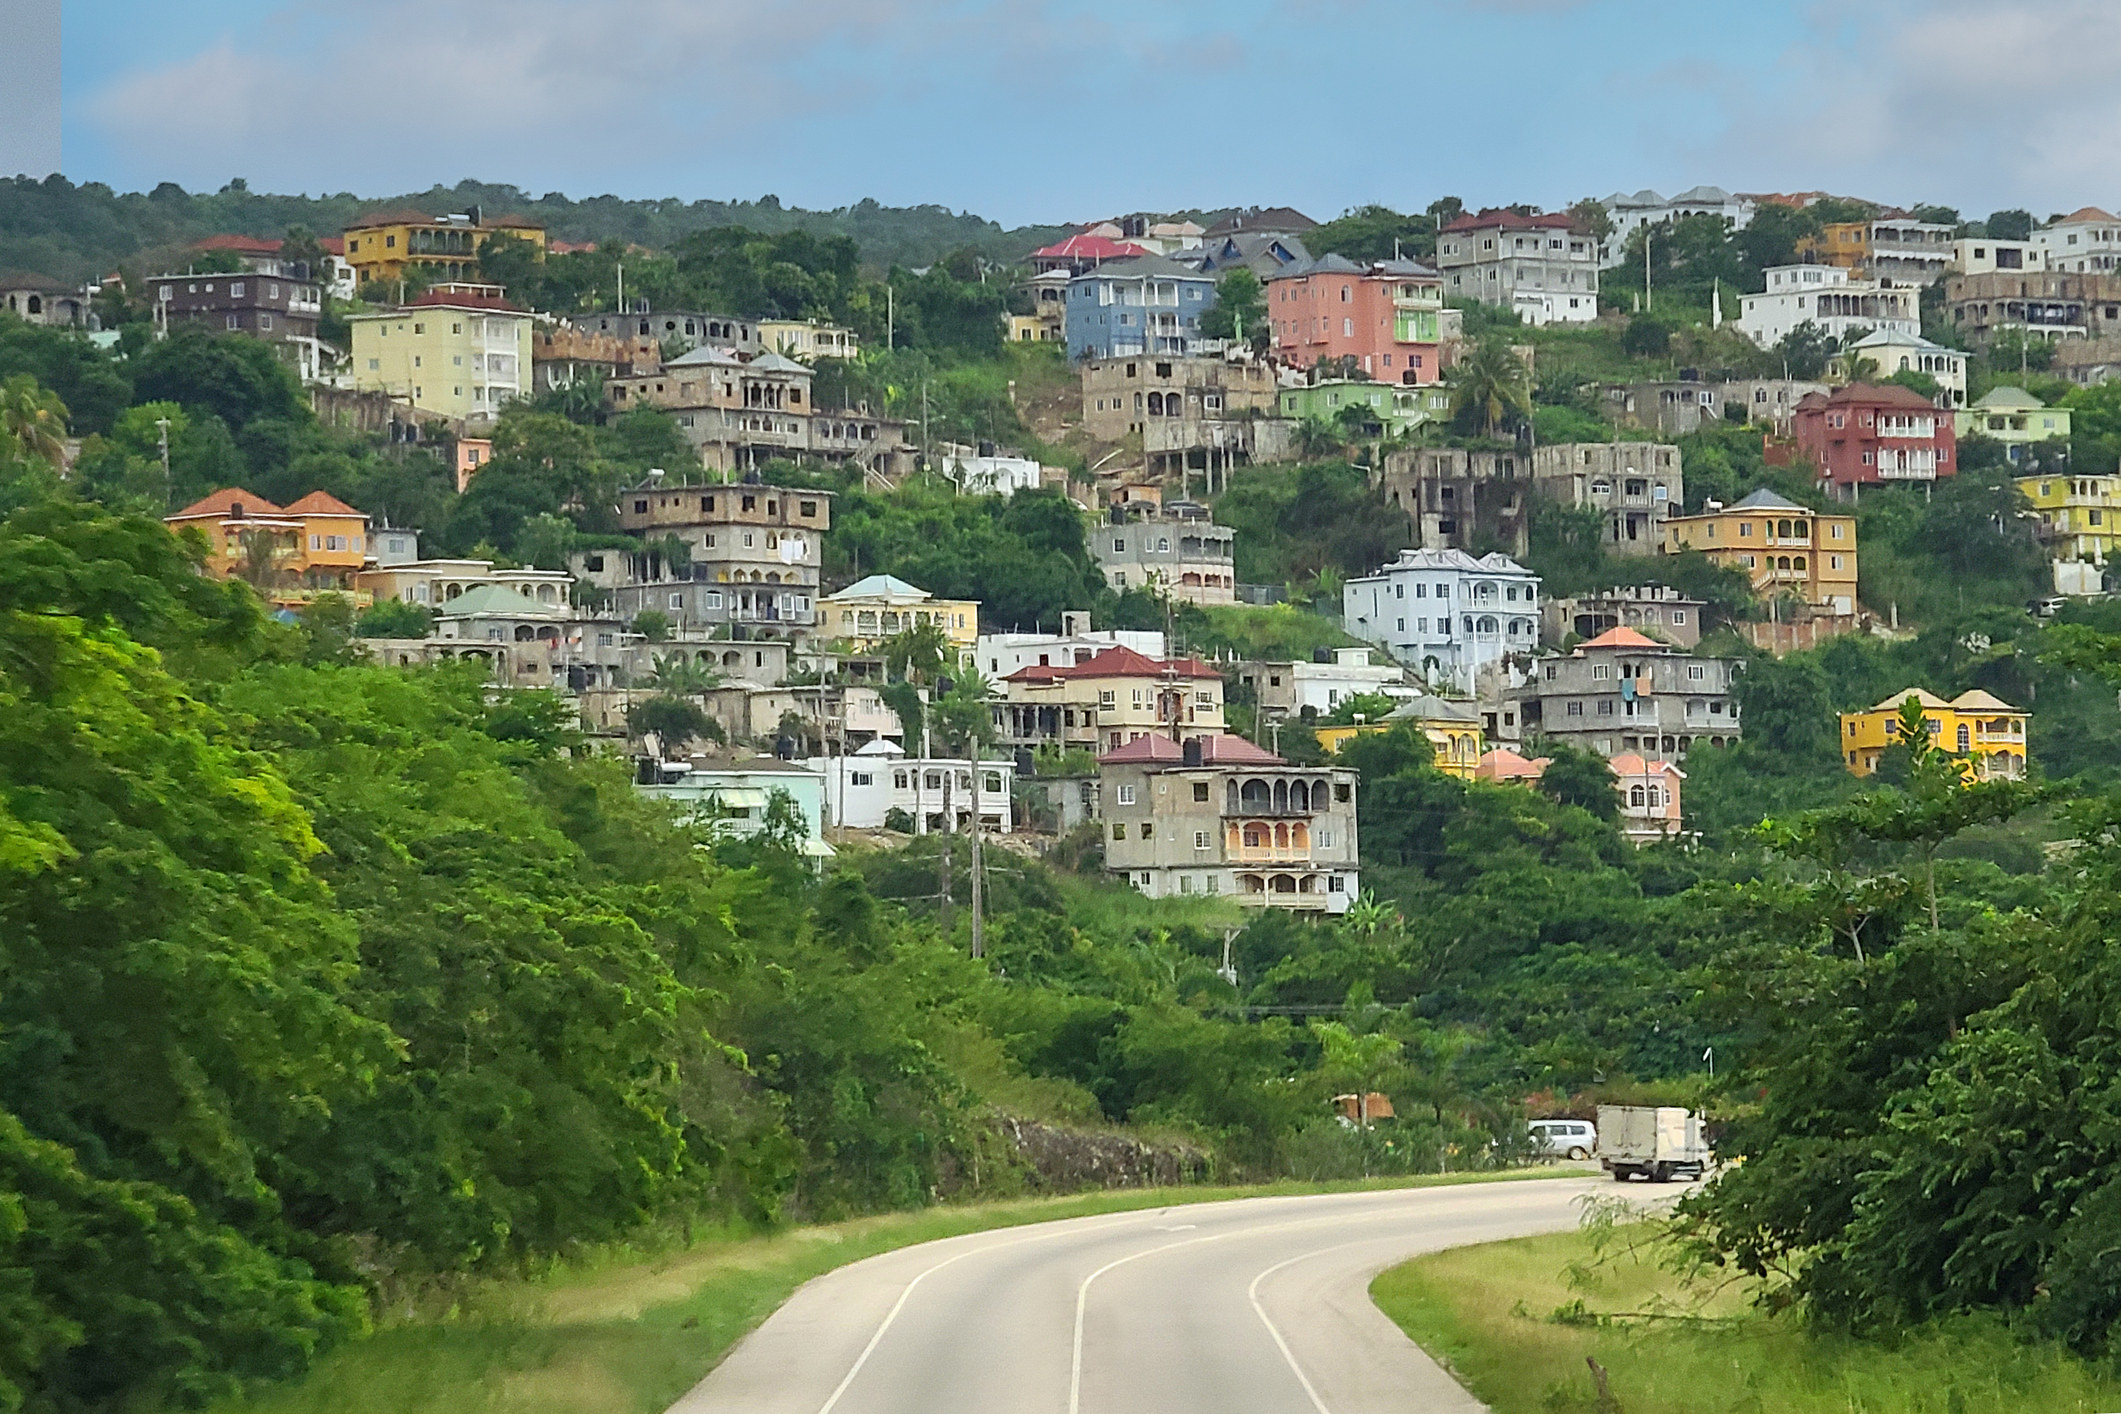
{"x": 1175, "y": 352}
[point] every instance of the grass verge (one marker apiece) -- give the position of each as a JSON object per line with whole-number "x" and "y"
{"x": 628, "y": 1333}
{"x": 1502, "y": 1317}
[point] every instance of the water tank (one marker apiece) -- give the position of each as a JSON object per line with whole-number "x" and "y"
{"x": 1191, "y": 752}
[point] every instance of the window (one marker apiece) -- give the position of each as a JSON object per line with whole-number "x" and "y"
{"x": 236, "y": 288}
{"x": 1575, "y": 709}
{"x": 1325, "y": 839}
{"x": 1696, "y": 672}
{"x": 1200, "y": 838}
{"x": 1119, "y": 831}
{"x": 1678, "y": 617}
{"x": 1200, "y": 790}
{"x": 677, "y": 601}
{"x": 1126, "y": 795}
{"x": 1148, "y": 830}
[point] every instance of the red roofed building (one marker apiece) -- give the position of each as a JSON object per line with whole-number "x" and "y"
{"x": 290, "y": 554}
{"x": 1624, "y": 691}
{"x": 1866, "y": 434}
{"x": 1113, "y": 698}
{"x": 1219, "y": 815}
{"x": 1079, "y": 255}
{"x": 2085, "y": 242}
{"x": 1541, "y": 266}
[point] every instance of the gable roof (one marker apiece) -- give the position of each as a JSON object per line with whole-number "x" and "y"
{"x": 2006, "y": 396}
{"x": 1978, "y": 701}
{"x": 2085, "y": 213}
{"x": 323, "y": 503}
{"x": 29, "y": 280}
{"x": 881, "y": 586}
{"x": 1088, "y": 247}
{"x": 1921, "y": 694}
{"x": 1424, "y": 708}
{"x": 777, "y": 363}
{"x": 398, "y": 216}
{"x": 1503, "y": 764}
{"x": 241, "y": 245}
{"x": 1629, "y": 763}
{"x": 1510, "y": 221}
{"x": 222, "y": 504}
{"x": 1877, "y": 395}
{"x": 1766, "y": 500}
{"x": 1280, "y": 219}
{"x": 1224, "y": 749}
{"x": 1144, "y": 264}
{"x": 1119, "y": 661}
{"x": 1622, "y": 637}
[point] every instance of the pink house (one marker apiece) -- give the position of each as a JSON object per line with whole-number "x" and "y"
{"x": 1649, "y": 797}
{"x": 1388, "y": 316}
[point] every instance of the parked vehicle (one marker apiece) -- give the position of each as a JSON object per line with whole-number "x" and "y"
{"x": 1564, "y": 1138}
{"x": 1658, "y": 1144}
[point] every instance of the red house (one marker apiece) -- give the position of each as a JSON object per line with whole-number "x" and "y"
{"x": 1869, "y": 435}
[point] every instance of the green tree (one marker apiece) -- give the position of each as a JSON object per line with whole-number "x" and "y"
{"x": 395, "y": 618}
{"x": 33, "y": 422}
{"x": 1239, "y": 311}
{"x": 1490, "y": 389}
{"x": 1579, "y": 778}
{"x": 674, "y": 721}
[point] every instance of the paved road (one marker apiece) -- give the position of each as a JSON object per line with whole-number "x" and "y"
{"x": 1258, "y": 1306}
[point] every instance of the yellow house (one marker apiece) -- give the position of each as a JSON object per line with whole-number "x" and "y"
{"x": 808, "y": 340}
{"x": 383, "y": 245}
{"x": 1782, "y": 547}
{"x": 2080, "y": 516}
{"x": 871, "y": 610}
{"x": 1028, "y": 329}
{"x": 1452, "y": 728}
{"x": 461, "y": 351}
{"x": 1987, "y": 731}
{"x": 292, "y": 553}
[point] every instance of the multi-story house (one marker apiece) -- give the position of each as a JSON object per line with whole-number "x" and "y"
{"x": 749, "y": 556}
{"x": 1392, "y": 409}
{"x": 525, "y": 642}
{"x": 1445, "y": 614}
{"x": 279, "y": 304}
{"x": 2084, "y": 242}
{"x": 1979, "y": 255}
{"x": 1984, "y": 729}
{"x": 1624, "y": 691}
{"x": 1783, "y": 547}
{"x": 435, "y": 584}
{"x": 1869, "y": 435}
{"x": 687, "y": 329}
{"x": 1647, "y": 208}
{"x": 383, "y": 245}
{"x": 864, "y": 788}
{"x": 1829, "y": 298}
{"x": 1670, "y": 408}
{"x": 809, "y": 340}
{"x": 1218, "y": 815}
{"x": 1108, "y": 700}
{"x": 563, "y": 355}
{"x": 1650, "y": 791}
{"x": 1889, "y": 351}
{"x": 1386, "y": 317}
{"x": 1540, "y": 266}
{"x": 1048, "y": 293}
{"x": 2017, "y": 419}
{"x": 1459, "y": 497}
{"x": 1891, "y": 247}
{"x": 1174, "y": 550}
{"x": 2080, "y": 516}
{"x": 744, "y": 412}
{"x": 2050, "y": 303}
{"x": 1264, "y": 253}
{"x": 1633, "y": 486}
{"x": 290, "y": 554}
{"x": 1452, "y": 729}
{"x": 1771, "y": 402}
{"x": 461, "y": 351}
{"x": 879, "y": 606}
{"x": 1655, "y": 610}
{"x": 1133, "y": 392}
{"x": 1000, "y": 654}
{"x": 1148, "y": 304}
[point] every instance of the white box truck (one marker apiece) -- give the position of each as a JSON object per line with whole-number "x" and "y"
{"x": 1659, "y": 1144}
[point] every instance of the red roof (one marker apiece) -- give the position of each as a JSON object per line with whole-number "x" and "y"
{"x": 1511, "y": 221}
{"x": 1221, "y": 750}
{"x": 221, "y": 504}
{"x": 241, "y": 245}
{"x": 1622, "y": 638}
{"x": 2085, "y": 213}
{"x": 1117, "y": 662}
{"x": 1874, "y": 395}
{"x": 332, "y": 245}
{"x": 323, "y": 503}
{"x": 459, "y": 299}
{"x": 1090, "y": 248}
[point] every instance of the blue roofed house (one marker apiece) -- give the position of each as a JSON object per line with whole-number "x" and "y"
{"x": 1150, "y": 304}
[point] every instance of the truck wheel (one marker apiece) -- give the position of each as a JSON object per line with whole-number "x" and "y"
{"x": 1662, "y": 1173}
{"x": 1622, "y": 1174}
{"x": 1579, "y": 1153}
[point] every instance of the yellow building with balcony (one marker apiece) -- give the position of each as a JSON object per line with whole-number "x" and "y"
{"x": 461, "y": 351}
{"x": 871, "y": 610}
{"x": 290, "y": 554}
{"x": 2080, "y": 516}
{"x": 1453, "y": 730}
{"x": 384, "y": 245}
{"x": 1985, "y": 730}
{"x": 1782, "y": 547}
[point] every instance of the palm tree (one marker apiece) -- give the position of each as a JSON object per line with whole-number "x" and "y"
{"x": 263, "y": 557}
{"x": 674, "y": 672}
{"x": 1492, "y": 382}
{"x": 1318, "y": 437}
{"x": 918, "y": 654}
{"x": 33, "y": 420}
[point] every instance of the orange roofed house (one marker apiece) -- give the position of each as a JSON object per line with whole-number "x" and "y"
{"x": 290, "y": 554}
{"x": 1110, "y": 699}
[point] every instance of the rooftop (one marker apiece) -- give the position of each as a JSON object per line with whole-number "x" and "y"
{"x": 1510, "y": 221}
{"x": 499, "y": 601}
{"x": 1116, "y": 662}
{"x": 1089, "y": 248}
{"x": 881, "y": 586}
{"x": 1622, "y": 637}
{"x": 1222, "y": 750}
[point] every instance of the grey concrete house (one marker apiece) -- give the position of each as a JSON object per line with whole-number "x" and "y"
{"x": 1655, "y": 610}
{"x": 1220, "y": 815}
{"x": 1460, "y": 497}
{"x": 1632, "y": 485}
{"x": 1624, "y": 692}
{"x": 1176, "y": 550}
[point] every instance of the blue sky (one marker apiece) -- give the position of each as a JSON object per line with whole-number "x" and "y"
{"x": 1063, "y": 110}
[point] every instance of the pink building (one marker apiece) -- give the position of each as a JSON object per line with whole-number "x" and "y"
{"x": 1388, "y": 316}
{"x": 1649, "y": 797}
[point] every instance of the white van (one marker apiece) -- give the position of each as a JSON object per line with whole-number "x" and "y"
{"x": 1564, "y": 1138}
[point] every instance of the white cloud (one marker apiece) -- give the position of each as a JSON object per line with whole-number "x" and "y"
{"x": 2004, "y": 102}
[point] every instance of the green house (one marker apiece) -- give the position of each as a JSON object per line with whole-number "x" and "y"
{"x": 1395, "y": 408}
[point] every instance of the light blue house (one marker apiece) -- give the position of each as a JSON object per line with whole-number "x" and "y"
{"x": 732, "y": 796}
{"x": 1149, "y": 304}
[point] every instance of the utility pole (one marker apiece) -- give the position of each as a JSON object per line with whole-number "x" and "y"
{"x": 979, "y": 938}
{"x": 1648, "y": 303}
{"x": 169, "y": 489}
{"x": 949, "y": 829}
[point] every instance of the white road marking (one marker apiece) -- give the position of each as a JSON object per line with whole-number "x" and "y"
{"x": 1252, "y": 1293}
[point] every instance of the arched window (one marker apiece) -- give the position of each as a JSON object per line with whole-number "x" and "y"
{"x": 1635, "y": 796}
{"x": 1156, "y": 405}
{"x": 1257, "y": 795}
{"x": 1230, "y": 798}
{"x": 1281, "y": 796}
{"x": 1798, "y": 562}
{"x": 1487, "y": 625}
{"x": 1255, "y": 836}
{"x": 36, "y": 304}
{"x": 1299, "y": 798}
{"x": 1281, "y": 836}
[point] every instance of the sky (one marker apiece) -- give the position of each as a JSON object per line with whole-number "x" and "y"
{"x": 1052, "y": 111}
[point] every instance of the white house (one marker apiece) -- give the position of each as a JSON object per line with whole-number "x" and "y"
{"x": 1895, "y": 352}
{"x": 1647, "y": 208}
{"x": 1826, "y": 296}
{"x": 1978, "y": 255}
{"x": 2083, "y": 242}
{"x": 1540, "y": 266}
{"x": 1298, "y": 688}
{"x": 861, "y": 789}
{"x": 1000, "y": 654}
{"x": 987, "y": 474}
{"x": 733, "y": 794}
{"x": 1445, "y": 613}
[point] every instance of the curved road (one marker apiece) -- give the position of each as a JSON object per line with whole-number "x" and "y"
{"x": 1257, "y": 1306}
